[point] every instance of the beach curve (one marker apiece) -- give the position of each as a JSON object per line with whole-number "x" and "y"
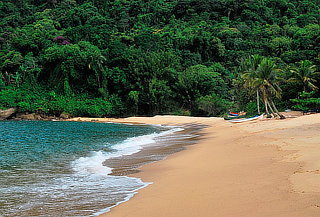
{"x": 265, "y": 168}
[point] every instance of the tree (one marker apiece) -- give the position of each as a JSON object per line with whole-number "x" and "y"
{"x": 265, "y": 80}
{"x": 213, "y": 104}
{"x": 9, "y": 65}
{"x": 305, "y": 74}
{"x": 280, "y": 44}
{"x": 197, "y": 81}
{"x": 249, "y": 68}
{"x": 159, "y": 56}
{"x": 152, "y": 74}
{"x": 36, "y": 36}
{"x": 79, "y": 65}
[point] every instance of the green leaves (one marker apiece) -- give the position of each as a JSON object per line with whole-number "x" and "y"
{"x": 305, "y": 74}
{"x": 160, "y": 56}
{"x": 36, "y": 36}
{"x": 306, "y": 102}
{"x": 261, "y": 74}
{"x": 280, "y": 44}
{"x": 198, "y": 81}
{"x": 27, "y": 100}
{"x": 213, "y": 105}
{"x": 10, "y": 60}
{"x": 81, "y": 64}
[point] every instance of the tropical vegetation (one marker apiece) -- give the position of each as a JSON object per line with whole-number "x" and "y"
{"x": 189, "y": 57}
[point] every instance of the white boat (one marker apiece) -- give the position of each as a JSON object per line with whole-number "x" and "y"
{"x": 240, "y": 120}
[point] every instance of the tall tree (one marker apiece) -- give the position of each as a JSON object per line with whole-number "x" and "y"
{"x": 250, "y": 66}
{"x": 305, "y": 74}
{"x": 265, "y": 80}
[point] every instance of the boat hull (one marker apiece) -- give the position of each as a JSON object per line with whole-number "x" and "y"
{"x": 246, "y": 119}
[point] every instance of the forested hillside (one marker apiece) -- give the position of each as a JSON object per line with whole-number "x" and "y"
{"x": 138, "y": 57}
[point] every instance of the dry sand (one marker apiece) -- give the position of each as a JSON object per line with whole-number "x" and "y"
{"x": 265, "y": 168}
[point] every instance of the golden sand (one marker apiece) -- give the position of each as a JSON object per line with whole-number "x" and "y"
{"x": 265, "y": 168}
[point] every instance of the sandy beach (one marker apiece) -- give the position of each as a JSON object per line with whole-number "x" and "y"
{"x": 264, "y": 168}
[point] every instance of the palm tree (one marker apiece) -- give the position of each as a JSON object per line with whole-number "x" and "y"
{"x": 262, "y": 77}
{"x": 304, "y": 74}
{"x": 249, "y": 66}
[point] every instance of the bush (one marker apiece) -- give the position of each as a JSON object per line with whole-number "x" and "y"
{"x": 181, "y": 112}
{"x": 95, "y": 107}
{"x": 52, "y": 104}
{"x": 8, "y": 98}
{"x": 306, "y": 102}
{"x": 252, "y": 108}
{"x": 213, "y": 105}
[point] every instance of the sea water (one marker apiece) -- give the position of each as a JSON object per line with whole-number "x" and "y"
{"x": 58, "y": 168}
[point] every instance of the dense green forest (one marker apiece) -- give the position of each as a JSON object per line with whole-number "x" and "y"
{"x": 137, "y": 57}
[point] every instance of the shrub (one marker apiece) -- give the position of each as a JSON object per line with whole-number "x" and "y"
{"x": 306, "y": 102}
{"x": 213, "y": 105}
{"x": 51, "y": 103}
{"x": 252, "y": 108}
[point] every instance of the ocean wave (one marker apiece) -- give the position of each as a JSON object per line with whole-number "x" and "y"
{"x": 93, "y": 164}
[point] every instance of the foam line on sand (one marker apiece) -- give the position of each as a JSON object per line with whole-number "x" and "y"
{"x": 265, "y": 168}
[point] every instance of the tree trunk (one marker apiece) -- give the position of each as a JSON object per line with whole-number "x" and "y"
{"x": 271, "y": 109}
{"x": 229, "y": 13}
{"x": 258, "y": 101}
{"x": 266, "y": 107}
{"x": 275, "y": 108}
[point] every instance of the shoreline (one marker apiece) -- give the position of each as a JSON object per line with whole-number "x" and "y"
{"x": 163, "y": 146}
{"x": 234, "y": 170}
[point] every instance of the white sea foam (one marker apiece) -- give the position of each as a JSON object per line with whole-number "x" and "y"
{"x": 93, "y": 164}
{"x": 130, "y": 194}
{"x": 90, "y": 182}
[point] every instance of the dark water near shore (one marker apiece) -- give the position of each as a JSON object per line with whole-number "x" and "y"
{"x": 76, "y": 169}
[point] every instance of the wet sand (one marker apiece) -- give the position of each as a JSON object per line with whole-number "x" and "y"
{"x": 265, "y": 168}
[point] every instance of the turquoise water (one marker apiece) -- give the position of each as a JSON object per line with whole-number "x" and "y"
{"x": 57, "y": 168}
